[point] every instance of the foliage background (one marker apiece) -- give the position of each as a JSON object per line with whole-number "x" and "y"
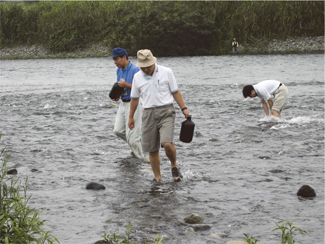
{"x": 168, "y": 28}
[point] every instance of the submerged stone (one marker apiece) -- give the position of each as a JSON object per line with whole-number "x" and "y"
{"x": 218, "y": 235}
{"x": 193, "y": 219}
{"x": 190, "y": 230}
{"x": 101, "y": 242}
{"x": 236, "y": 242}
{"x": 276, "y": 171}
{"x": 306, "y": 191}
{"x": 201, "y": 227}
{"x": 12, "y": 172}
{"x": 95, "y": 186}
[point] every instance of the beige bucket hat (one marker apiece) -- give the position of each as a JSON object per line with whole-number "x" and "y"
{"x": 145, "y": 58}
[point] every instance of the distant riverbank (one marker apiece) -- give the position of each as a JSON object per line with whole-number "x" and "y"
{"x": 291, "y": 45}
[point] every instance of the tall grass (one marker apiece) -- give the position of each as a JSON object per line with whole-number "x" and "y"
{"x": 18, "y": 222}
{"x": 168, "y": 27}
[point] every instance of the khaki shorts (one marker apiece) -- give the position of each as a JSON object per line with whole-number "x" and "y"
{"x": 280, "y": 96}
{"x": 157, "y": 127}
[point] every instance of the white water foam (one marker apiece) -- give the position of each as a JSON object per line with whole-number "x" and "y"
{"x": 305, "y": 120}
{"x": 271, "y": 118}
{"x": 300, "y": 120}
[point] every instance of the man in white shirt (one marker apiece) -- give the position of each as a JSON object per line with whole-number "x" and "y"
{"x": 158, "y": 88}
{"x": 265, "y": 90}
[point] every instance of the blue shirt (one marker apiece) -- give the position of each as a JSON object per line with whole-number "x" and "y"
{"x": 127, "y": 74}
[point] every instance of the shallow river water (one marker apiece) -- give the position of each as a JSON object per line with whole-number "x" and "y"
{"x": 241, "y": 173}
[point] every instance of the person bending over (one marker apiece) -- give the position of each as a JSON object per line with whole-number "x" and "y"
{"x": 264, "y": 90}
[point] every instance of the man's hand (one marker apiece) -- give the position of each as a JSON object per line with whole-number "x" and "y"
{"x": 131, "y": 123}
{"x": 133, "y": 107}
{"x": 186, "y": 113}
{"x": 122, "y": 83}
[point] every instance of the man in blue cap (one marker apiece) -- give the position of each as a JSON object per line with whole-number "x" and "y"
{"x": 125, "y": 72}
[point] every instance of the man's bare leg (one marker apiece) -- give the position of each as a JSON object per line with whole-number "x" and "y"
{"x": 170, "y": 151}
{"x": 155, "y": 164}
{"x": 275, "y": 113}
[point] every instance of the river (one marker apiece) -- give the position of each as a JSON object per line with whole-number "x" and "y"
{"x": 241, "y": 173}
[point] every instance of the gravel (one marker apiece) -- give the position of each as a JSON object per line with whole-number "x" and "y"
{"x": 298, "y": 45}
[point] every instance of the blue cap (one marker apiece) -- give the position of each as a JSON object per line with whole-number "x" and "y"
{"x": 119, "y": 52}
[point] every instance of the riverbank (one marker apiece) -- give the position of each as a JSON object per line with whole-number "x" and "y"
{"x": 298, "y": 45}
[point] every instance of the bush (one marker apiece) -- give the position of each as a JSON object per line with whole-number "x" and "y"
{"x": 18, "y": 223}
{"x": 168, "y": 28}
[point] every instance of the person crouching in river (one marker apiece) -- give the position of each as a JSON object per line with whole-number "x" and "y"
{"x": 264, "y": 90}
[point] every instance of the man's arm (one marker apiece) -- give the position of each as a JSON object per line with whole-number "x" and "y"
{"x": 265, "y": 107}
{"x": 270, "y": 101}
{"x": 179, "y": 99}
{"x": 133, "y": 106}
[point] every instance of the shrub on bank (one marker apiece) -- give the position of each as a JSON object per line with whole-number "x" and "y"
{"x": 171, "y": 28}
{"x": 18, "y": 222}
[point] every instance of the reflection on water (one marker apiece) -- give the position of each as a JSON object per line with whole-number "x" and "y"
{"x": 241, "y": 172}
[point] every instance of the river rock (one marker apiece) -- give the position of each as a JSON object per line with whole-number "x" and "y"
{"x": 199, "y": 227}
{"x": 12, "y": 172}
{"x": 190, "y": 230}
{"x": 276, "y": 171}
{"x": 101, "y": 242}
{"x": 218, "y": 235}
{"x": 236, "y": 242}
{"x": 95, "y": 186}
{"x": 193, "y": 219}
{"x": 306, "y": 191}
{"x": 299, "y": 45}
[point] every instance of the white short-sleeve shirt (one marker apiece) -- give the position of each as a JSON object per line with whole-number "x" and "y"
{"x": 156, "y": 90}
{"x": 265, "y": 89}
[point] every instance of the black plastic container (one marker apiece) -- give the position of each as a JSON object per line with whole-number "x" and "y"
{"x": 187, "y": 130}
{"x": 116, "y": 91}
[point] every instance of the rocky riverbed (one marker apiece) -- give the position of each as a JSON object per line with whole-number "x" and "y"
{"x": 291, "y": 45}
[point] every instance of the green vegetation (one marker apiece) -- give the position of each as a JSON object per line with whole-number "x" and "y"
{"x": 287, "y": 233}
{"x": 18, "y": 223}
{"x": 110, "y": 239}
{"x": 169, "y": 28}
{"x": 250, "y": 239}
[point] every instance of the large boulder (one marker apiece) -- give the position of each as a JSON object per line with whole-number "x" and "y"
{"x": 306, "y": 192}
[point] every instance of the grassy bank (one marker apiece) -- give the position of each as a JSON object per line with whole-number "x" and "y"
{"x": 169, "y": 28}
{"x": 301, "y": 45}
